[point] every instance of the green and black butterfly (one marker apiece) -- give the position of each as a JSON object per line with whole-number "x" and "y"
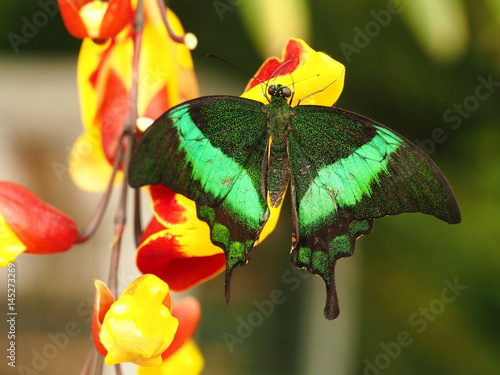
{"x": 235, "y": 158}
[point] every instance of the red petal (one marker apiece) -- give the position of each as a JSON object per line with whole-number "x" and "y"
{"x": 168, "y": 301}
{"x": 71, "y": 17}
{"x": 40, "y": 226}
{"x": 163, "y": 257}
{"x": 157, "y": 105}
{"x": 118, "y": 14}
{"x": 153, "y": 227}
{"x": 113, "y": 113}
{"x": 188, "y": 311}
{"x": 268, "y": 70}
{"x": 103, "y": 301}
{"x": 165, "y": 204}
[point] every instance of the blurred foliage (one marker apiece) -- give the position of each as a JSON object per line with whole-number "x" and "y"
{"x": 408, "y": 73}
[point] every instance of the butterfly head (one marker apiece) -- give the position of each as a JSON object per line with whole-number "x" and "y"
{"x": 279, "y": 91}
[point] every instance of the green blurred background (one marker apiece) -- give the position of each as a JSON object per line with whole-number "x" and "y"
{"x": 418, "y": 297}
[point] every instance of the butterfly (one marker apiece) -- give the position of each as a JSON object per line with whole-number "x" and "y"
{"x": 236, "y": 157}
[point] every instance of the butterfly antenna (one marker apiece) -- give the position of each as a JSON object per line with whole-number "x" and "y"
{"x": 323, "y": 89}
{"x": 293, "y": 89}
{"x": 275, "y": 74}
{"x": 241, "y": 70}
{"x": 234, "y": 66}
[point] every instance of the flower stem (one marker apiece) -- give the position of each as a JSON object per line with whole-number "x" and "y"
{"x": 93, "y": 363}
{"x": 88, "y": 361}
{"x": 128, "y": 141}
{"x": 94, "y": 222}
{"x": 173, "y": 36}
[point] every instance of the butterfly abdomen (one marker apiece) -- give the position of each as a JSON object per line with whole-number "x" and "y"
{"x": 278, "y": 170}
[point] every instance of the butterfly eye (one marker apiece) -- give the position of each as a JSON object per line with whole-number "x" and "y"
{"x": 272, "y": 90}
{"x": 286, "y": 92}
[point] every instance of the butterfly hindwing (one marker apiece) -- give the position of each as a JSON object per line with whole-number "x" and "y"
{"x": 318, "y": 253}
{"x": 211, "y": 150}
{"x": 348, "y": 170}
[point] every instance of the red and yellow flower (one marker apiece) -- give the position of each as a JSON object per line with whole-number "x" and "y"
{"x": 165, "y": 78}
{"x": 142, "y": 326}
{"x": 176, "y": 245}
{"x": 314, "y": 77}
{"x": 27, "y": 224}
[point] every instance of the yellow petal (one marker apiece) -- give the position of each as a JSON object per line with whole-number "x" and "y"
{"x": 314, "y": 77}
{"x": 188, "y": 360}
{"x": 175, "y": 73}
{"x": 138, "y": 328}
{"x": 89, "y": 59}
{"x": 10, "y": 245}
{"x": 271, "y": 223}
{"x": 193, "y": 235}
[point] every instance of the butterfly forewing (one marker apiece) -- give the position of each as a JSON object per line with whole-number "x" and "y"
{"x": 198, "y": 148}
{"x": 354, "y": 168}
{"x": 211, "y": 150}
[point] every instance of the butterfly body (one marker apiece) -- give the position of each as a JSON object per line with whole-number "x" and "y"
{"x": 236, "y": 157}
{"x": 277, "y": 163}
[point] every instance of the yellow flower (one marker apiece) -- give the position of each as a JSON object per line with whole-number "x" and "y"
{"x": 176, "y": 245}
{"x": 138, "y": 327}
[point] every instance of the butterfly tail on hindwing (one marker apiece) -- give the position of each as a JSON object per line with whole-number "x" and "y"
{"x": 236, "y": 238}
{"x": 319, "y": 254}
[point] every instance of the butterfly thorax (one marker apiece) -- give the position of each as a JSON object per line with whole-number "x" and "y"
{"x": 277, "y": 173}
